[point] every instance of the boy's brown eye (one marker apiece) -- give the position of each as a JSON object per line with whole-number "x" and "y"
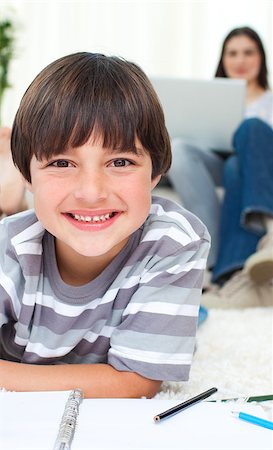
{"x": 121, "y": 162}
{"x": 60, "y": 163}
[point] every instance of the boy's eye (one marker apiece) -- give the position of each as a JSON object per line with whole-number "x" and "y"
{"x": 121, "y": 162}
{"x": 60, "y": 163}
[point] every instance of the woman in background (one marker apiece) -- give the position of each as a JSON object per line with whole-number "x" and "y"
{"x": 246, "y": 214}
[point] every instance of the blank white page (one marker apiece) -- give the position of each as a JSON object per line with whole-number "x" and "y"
{"x": 30, "y": 421}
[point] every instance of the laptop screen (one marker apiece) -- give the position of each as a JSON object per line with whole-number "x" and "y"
{"x": 204, "y": 112}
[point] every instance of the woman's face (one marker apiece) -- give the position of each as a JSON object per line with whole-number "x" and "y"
{"x": 242, "y": 58}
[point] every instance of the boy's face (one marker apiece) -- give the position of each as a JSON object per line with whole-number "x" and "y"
{"x": 91, "y": 198}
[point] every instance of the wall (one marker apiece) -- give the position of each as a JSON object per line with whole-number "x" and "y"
{"x": 179, "y": 38}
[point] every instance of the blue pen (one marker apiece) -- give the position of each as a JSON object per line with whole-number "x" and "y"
{"x": 253, "y": 419}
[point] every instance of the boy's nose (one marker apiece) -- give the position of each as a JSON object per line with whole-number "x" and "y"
{"x": 91, "y": 186}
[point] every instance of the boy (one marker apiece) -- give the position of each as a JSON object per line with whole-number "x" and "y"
{"x": 99, "y": 288}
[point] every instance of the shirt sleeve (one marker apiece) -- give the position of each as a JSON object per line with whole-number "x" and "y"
{"x": 8, "y": 297}
{"x": 156, "y": 338}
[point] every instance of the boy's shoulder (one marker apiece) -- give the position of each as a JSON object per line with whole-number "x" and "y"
{"x": 20, "y": 228}
{"x": 165, "y": 213}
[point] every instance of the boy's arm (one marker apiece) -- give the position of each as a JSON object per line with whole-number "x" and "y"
{"x": 96, "y": 380}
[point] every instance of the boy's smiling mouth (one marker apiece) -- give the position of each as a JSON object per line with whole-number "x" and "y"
{"x": 98, "y": 218}
{"x": 95, "y": 219}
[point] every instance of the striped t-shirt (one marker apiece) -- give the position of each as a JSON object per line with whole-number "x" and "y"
{"x": 140, "y": 314}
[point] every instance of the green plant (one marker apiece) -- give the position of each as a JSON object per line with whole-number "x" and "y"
{"x": 6, "y": 54}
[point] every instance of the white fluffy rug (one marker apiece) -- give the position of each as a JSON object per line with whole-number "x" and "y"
{"x": 234, "y": 354}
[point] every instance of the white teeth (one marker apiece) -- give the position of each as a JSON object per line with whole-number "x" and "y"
{"x": 95, "y": 219}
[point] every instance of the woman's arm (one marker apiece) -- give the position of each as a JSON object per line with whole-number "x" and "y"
{"x": 96, "y": 380}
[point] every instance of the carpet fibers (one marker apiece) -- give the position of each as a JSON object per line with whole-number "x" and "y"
{"x": 234, "y": 353}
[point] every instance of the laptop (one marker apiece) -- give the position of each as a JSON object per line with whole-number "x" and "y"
{"x": 204, "y": 112}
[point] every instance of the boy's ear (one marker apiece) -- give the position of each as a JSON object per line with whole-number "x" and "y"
{"x": 155, "y": 181}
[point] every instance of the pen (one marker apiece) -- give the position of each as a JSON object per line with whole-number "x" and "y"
{"x": 176, "y": 409}
{"x": 253, "y": 419}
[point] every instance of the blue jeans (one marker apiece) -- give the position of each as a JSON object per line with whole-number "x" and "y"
{"x": 248, "y": 184}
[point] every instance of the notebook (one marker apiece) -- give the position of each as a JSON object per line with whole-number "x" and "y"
{"x": 204, "y": 112}
{"x": 31, "y": 421}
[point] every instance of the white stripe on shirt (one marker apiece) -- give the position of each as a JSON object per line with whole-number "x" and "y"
{"x": 151, "y": 357}
{"x": 9, "y": 287}
{"x": 172, "y": 309}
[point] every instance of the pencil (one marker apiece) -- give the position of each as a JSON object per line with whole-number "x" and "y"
{"x": 253, "y": 419}
{"x": 176, "y": 409}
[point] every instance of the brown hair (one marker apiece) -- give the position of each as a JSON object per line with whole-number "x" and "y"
{"x": 85, "y": 92}
{"x": 251, "y": 34}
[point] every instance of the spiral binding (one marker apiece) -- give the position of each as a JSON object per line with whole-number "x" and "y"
{"x": 69, "y": 420}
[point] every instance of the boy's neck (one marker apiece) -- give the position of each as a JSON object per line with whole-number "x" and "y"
{"x": 76, "y": 269}
{"x": 78, "y": 275}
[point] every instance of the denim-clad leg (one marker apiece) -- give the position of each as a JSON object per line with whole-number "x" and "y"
{"x": 254, "y": 146}
{"x": 235, "y": 242}
{"x": 248, "y": 183}
{"x": 194, "y": 174}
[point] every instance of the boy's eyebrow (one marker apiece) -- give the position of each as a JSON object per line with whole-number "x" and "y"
{"x": 136, "y": 151}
